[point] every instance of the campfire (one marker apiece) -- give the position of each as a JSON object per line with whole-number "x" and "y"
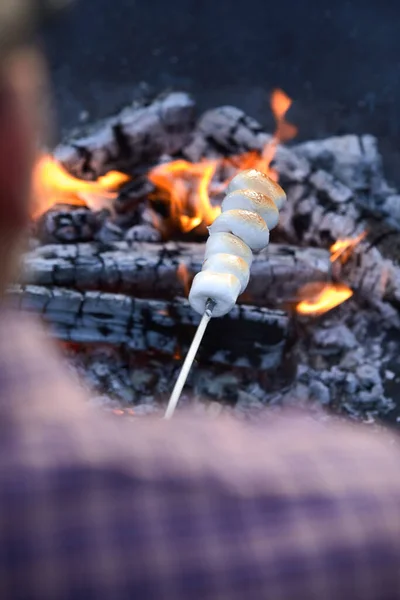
{"x": 188, "y": 189}
{"x": 119, "y": 219}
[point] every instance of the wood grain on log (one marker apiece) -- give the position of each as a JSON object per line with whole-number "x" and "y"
{"x": 135, "y": 137}
{"x": 248, "y": 336}
{"x": 165, "y": 270}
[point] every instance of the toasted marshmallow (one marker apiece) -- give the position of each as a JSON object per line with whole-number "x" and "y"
{"x": 252, "y": 179}
{"x": 222, "y": 288}
{"x": 247, "y": 225}
{"x": 228, "y": 263}
{"x": 255, "y": 201}
{"x": 227, "y": 243}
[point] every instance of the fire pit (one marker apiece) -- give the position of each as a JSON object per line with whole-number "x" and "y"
{"x": 118, "y": 227}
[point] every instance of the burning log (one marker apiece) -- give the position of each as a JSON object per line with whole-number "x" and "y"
{"x": 330, "y": 183}
{"x": 374, "y": 266}
{"x": 345, "y": 196}
{"x": 331, "y": 212}
{"x": 225, "y": 130}
{"x": 135, "y": 137}
{"x": 166, "y": 270}
{"x": 256, "y": 339}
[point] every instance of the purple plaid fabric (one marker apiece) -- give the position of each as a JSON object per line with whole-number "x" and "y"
{"x": 96, "y": 508}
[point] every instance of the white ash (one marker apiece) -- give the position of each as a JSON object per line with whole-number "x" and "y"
{"x": 391, "y": 206}
{"x": 326, "y": 184}
{"x": 330, "y": 339}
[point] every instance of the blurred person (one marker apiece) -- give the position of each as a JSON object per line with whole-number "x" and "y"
{"x": 96, "y": 508}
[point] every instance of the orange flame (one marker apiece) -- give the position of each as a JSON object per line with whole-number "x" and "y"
{"x": 186, "y": 186}
{"x": 52, "y": 184}
{"x": 183, "y": 185}
{"x": 343, "y": 248}
{"x": 280, "y": 104}
{"x": 330, "y": 296}
{"x": 184, "y": 277}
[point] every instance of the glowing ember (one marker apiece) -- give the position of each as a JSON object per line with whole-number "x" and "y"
{"x": 330, "y": 296}
{"x": 186, "y": 187}
{"x": 343, "y": 248}
{"x": 53, "y": 185}
{"x": 177, "y": 354}
{"x": 118, "y": 412}
{"x": 123, "y": 412}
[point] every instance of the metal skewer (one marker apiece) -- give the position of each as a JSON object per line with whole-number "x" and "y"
{"x": 191, "y": 355}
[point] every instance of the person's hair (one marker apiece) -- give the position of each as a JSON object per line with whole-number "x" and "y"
{"x": 21, "y": 19}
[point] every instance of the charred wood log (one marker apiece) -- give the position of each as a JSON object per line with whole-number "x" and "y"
{"x": 352, "y": 160}
{"x": 327, "y": 210}
{"x": 166, "y": 270}
{"x": 227, "y": 130}
{"x": 248, "y": 336}
{"x": 135, "y": 137}
{"x": 69, "y": 224}
{"x": 374, "y": 267}
{"x": 330, "y": 182}
{"x": 133, "y": 195}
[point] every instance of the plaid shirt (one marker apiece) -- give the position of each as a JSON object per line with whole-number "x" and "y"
{"x": 92, "y": 507}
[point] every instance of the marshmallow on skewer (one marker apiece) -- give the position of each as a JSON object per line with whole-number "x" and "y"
{"x": 229, "y": 263}
{"x": 222, "y": 288}
{"x": 249, "y": 210}
{"x": 254, "y": 201}
{"x": 239, "y": 229}
{"x": 252, "y": 179}
{"x": 245, "y": 224}
{"x": 227, "y": 243}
